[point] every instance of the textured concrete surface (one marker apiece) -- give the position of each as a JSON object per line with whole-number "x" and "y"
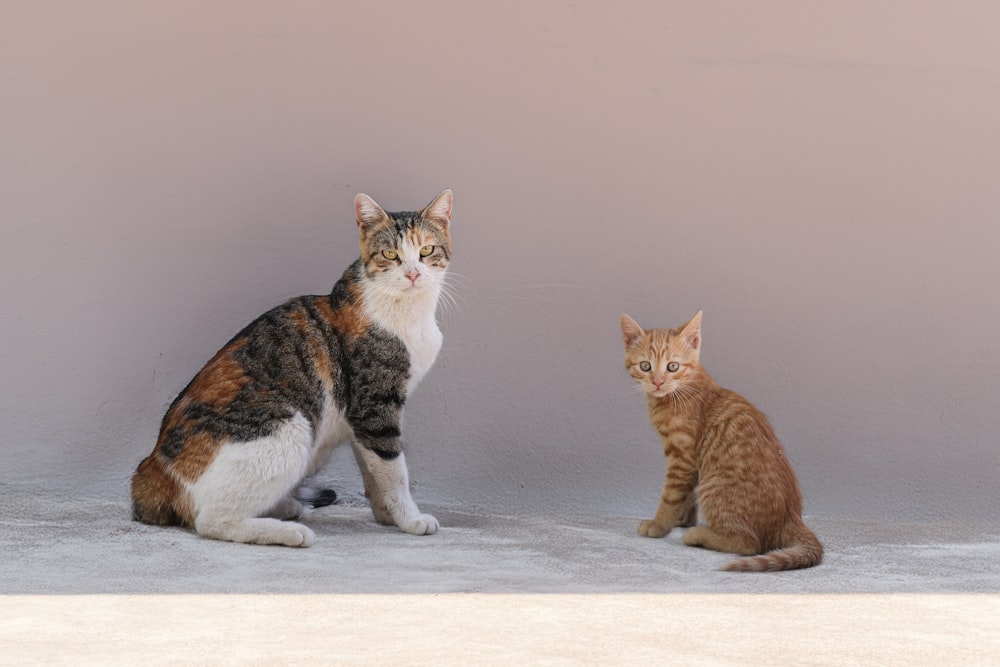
{"x": 81, "y": 584}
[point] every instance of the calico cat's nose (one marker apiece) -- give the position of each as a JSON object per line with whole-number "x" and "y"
{"x": 413, "y": 274}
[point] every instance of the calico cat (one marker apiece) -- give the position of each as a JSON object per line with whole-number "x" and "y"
{"x": 267, "y": 410}
{"x": 723, "y": 459}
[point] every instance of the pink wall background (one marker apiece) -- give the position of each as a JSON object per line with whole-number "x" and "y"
{"x": 823, "y": 180}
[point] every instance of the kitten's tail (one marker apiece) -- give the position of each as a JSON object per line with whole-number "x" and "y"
{"x": 804, "y": 550}
{"x": 153, "y": 494}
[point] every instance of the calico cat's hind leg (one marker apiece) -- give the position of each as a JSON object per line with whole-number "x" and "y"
{"x": 249, "y": 479}
{"x": 734, "y": 542}
{"x": 256, "y": 531}
{"x": 301, "y": 503}
{"x": 288, "y": 508}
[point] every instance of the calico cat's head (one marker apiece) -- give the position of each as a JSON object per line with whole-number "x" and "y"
{"x": 662, "y": 361}
{"x": 407, "y": 252}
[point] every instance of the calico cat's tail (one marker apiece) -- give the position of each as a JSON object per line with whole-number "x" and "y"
{"x": 804, "y": 550}
{"x": 154, "y": 493}
{"x": 315, "y": 497}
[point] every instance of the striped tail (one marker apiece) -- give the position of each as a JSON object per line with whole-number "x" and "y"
{"x": 805, "y": 551}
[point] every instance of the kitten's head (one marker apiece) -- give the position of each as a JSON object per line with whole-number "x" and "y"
{"x": 662, "y": 361}
{"x": 407, "y": 252}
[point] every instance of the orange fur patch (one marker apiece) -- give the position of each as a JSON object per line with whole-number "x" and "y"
{"x": 221, "y": 379}
{"x": 198, "y": 453}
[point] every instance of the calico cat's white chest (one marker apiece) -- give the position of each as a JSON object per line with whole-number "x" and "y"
{"x": 413, "y": 322}
{"x": 423, "y": 342}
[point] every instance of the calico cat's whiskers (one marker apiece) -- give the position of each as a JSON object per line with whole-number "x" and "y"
{"x": 449, "y": 292}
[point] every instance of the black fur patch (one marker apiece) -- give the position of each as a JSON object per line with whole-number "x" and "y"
{"x": 323, "y": 498}
{"x": 380, "y": 368}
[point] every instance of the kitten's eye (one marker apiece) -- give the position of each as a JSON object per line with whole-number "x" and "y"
{"x": 427, "y": 251}
{"x": 645, "y": 366}
{"x": 390, "y": 254}
{"x": 673, "y": 366}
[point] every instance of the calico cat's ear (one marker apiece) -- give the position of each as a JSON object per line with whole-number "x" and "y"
{"x": 367, "y": 213}
{"x": 691, "y": 332}
{"x": 631, "y": 331}
{"x": 439, "y": 209}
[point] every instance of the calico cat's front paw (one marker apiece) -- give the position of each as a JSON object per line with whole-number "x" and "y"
{"x": 421, "y": 524}
{"x": 379, "y": 510}
{"x": 650, "y": 528}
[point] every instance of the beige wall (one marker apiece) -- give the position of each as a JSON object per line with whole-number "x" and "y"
{"x": 823, "y": 179}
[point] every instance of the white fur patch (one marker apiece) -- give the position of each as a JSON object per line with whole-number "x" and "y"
{"x": 247, "y": 479}
{"x": 392, "y": 490}
{"x": 408, "y": 311}
{"x": 252, "y": 476}
{"x": 331, "y": 431}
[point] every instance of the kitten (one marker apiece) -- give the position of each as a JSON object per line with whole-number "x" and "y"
{"x": 267, "y": 410}
{"x": 722, "y": 458}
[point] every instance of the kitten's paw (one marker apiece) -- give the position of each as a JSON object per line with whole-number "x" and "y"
{"x": 693, "y": 537}
{"x": 649, "y": 528}
{"x": 421, "y": 524}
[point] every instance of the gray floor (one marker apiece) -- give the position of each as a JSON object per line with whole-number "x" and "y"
{"x": 556, "y": 574}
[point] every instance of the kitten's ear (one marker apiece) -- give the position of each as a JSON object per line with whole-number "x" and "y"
{"x": 439, "y": 209}
{"x": 631, "y": 331}
{"x": 367, "y": 213}
{"x": 691, "y": 332}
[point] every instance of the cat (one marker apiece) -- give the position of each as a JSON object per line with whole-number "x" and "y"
{"x": 268, "y": 409}
{"x": 723, "y": 458}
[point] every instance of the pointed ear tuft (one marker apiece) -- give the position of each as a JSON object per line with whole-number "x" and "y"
{"x": 367, "y": 213}
{"x": 439, "y": 209}
{"x": 691, "y": 332}
{"x": 631, "y": 331}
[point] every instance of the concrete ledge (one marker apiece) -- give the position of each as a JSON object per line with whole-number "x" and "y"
{"x": 558, "y": 629}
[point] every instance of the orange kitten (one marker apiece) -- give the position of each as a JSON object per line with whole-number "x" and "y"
{"x": 722, "y": 458}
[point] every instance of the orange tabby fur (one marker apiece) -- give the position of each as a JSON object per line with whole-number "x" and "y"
{"x": 723, "y": 458}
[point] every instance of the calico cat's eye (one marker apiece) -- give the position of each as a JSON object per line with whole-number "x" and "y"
{"x": 390, "y": 254}
{"x": 645, "y": 366}
{"x": 427, "y": 251}
{"x": 673, "y": 366}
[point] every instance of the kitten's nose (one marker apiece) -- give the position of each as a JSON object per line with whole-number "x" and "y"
{"x": 659, "y": 382}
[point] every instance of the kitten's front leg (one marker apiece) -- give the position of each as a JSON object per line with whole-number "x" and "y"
{"x": 676, "y": 502}
{"x": 390, "y": 493}
{"x": 689, "y": 517}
